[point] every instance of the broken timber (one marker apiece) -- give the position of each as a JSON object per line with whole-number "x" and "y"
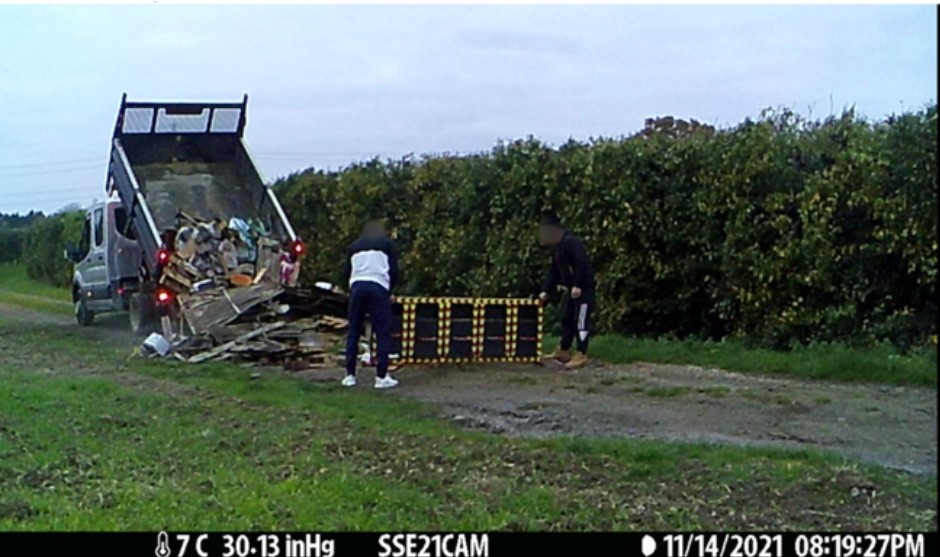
{"x": 210, "y": 308}
{"x": 220, "y": 349}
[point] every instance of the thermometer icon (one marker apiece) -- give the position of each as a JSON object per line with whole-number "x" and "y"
{"x": 163, "y": 545}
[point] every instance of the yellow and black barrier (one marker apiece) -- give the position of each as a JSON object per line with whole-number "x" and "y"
{"x": 463, "y": 330}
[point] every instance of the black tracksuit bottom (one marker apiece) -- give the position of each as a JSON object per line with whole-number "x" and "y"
{"x": 370, "y": 298}
{"x": 576, "y": 320}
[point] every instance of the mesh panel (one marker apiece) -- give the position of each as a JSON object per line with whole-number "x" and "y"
{"x": 137, "y": 120}
{"x": 182, "y": 123}
{"x": 226, "y": 120}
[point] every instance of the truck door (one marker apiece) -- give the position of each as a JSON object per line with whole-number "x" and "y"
{"x": 95, "y": 269}
{"x": 84, "y": 247}
{"x": 123, "y": 254}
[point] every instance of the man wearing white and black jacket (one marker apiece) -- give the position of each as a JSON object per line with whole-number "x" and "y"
{"x": 570, "y": 268}
{"x": 371, "y": 270}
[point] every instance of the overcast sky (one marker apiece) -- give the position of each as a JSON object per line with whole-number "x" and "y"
{"x": 333, "y": 84}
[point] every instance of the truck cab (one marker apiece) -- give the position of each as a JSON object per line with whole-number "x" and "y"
{"x": 106, "y": 262}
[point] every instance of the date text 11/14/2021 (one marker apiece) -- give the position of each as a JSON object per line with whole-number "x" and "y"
{"x": 798, "y": 545}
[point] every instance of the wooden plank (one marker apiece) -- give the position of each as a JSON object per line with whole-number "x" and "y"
{"x": 209, "y": 354}
{"x": 230, "y": 301}
{"x": 169, "y": 271}
{"x": 191, "y": 269}
{"x": 204, "y": 311}
{"x": 167, "y": 327}
{"x": 187, "y": 217}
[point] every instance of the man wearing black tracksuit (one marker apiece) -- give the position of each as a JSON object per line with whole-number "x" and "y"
{"x": 570, "y": 269}
{"x": 371, "y": 270}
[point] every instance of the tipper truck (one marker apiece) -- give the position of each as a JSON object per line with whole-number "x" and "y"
{"x": 169, "y": 162}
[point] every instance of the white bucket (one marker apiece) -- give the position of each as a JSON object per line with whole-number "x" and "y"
{"x": 157, "y": 343}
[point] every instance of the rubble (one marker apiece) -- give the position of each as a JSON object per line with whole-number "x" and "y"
{"x": 257, "y": 324}
{"x": 244, "y": 312}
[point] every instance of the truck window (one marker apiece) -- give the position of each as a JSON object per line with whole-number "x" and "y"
{"x": 99, "y": 227}
{"x": 120, "y": 224}
{"x": 85, "y": 243}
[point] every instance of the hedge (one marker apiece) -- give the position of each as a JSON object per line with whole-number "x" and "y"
{"x": 779, "y": 230}
{"x": 44, "y": 247}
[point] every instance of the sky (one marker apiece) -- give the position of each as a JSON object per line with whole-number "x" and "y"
{"x": 330, "y": 85}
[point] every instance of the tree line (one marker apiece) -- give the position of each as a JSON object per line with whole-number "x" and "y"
{"x": 780, "y": 230}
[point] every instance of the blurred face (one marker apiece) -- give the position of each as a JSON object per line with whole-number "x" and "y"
{"x": 548, "y": 235}
{"x": 375, "y": 230}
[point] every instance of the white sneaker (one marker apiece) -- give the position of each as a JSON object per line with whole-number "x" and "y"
{"x": 349, "y": 381}
{"x": 386, "y": 382}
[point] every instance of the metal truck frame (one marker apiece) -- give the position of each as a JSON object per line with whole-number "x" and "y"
{"x": 167, "y": 158}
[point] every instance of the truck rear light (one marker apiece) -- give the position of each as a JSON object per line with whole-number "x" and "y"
{"x": 164, "y": 296}
{"x": 121, "y": 291}
{"x": 298, "y": 247}
{"x": 163, "y": 255}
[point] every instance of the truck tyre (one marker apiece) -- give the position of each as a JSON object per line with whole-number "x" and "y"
{"x": 141, "y": 313}
{"x": 83, "y": 315}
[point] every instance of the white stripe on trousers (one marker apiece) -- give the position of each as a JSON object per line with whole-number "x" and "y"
{"x": 582, "y": 317}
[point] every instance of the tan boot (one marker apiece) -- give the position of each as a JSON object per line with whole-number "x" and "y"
{"x": 579, "y": 360}
{"x": 559, "y": 355}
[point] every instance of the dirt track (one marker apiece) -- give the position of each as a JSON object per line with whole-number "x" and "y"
{"x": 891, "y": 426}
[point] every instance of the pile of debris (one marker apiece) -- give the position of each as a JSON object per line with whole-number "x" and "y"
{"x": 245, "y": 308}
{"x": 261, "y": 323}
{"x": 236, "y": 250}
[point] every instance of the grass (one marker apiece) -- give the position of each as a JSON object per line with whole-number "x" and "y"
{"x": 13, "y": 278}
{"x": 717, "y": 391}
{"x": 768, "y": 398}
{"x": 92, "y": 440}
{"x": 834, "y": 362}
{"x": 667, "y": 391}
{"x": 36, "y": 303}
{"x": 16, "y": 288}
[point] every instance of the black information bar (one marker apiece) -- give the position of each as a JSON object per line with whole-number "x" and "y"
{"x": 468, "y": 544}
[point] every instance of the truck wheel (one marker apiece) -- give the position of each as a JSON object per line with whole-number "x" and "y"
{"x": 140, "y": 313}
{"x": 83, "y": 315}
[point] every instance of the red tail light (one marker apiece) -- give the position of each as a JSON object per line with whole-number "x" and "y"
{"x": 298, "y": 247}
{"x": 163, "y": 255}
{"x": 164, "y": 296}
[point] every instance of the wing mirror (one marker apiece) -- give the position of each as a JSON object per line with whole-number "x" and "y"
{"x": 71, "y": 253}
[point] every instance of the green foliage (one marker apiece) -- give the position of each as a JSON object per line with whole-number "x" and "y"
{"x": 44, "y": 245}
{"x": 779, "y": 231}
{"x": 11, "y": 245}
{"x": 12, "y": 231}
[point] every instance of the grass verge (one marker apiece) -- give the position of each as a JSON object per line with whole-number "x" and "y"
{"x": 13, "y": 278}
{"x": 834, "y": 362}
{"x": 90, "y": 439}
{"x": 16, "y": 288}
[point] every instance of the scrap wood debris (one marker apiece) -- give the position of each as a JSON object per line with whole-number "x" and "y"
{"x": 256, "y": 323}
{"x": 246, "y": 311}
